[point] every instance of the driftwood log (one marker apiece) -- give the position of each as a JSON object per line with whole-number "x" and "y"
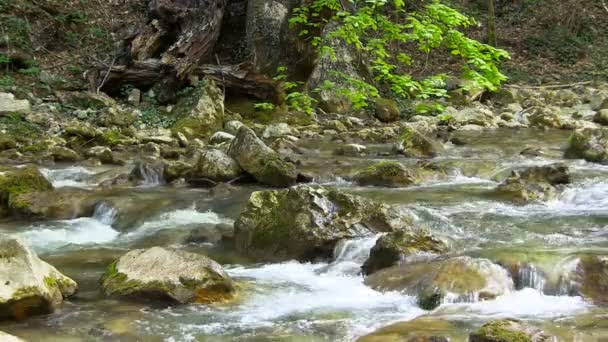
{"x": 174, "y": 49}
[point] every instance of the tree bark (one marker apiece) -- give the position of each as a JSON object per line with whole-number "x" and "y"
{"x": 179, "y": 37}
{"x": 492, "y": 38}
{"x": 239, "y": 78}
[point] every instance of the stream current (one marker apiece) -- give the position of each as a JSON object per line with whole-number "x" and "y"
{"x": 294, "y": 301}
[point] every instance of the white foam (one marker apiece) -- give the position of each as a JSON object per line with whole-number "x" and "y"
{"x": 292, "y": 290}
{"x": 181, "y": 217}
{"x": 527, "y": 303}
{"x": 80, "y": 231}
{"x": 74, "y": 176}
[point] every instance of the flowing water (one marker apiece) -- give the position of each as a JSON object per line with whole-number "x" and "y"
{"x": 295, "y": 301}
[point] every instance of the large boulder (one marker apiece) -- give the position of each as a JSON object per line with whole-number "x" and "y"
{"x": 166, "y": 274}
{"x": 202, "y": 113}
{"x": 306, "y": 223}
{"x": 259, "y": 160}
{"x": 457, "y": 279}
{"x": 386, "y": 173}
{"x": 589, "y": 144}
{"x": 415, "y": 144}
{"x": 215, "y": 165}
{"x": 392, "y": 248}
{"x": 8, "y": 104}
{"x": 29, "y": 285}
{"x": 536, "y": 183}
{"x": 508, "y": 330}
{"x": 21, "y": 181}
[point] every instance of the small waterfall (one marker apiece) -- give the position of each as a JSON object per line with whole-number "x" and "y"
{"x": 150, "y": 175}
{"x": 532, "y": 277}
{"x": 105, "y": 213}
{"x": 349, "y": 255}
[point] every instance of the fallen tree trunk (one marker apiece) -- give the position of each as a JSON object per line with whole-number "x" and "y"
{"x": 240, "y": 79}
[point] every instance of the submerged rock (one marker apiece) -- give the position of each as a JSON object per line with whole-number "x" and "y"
{"x": 423, "y": 329}
{"x": 394, "y": 247}
{"x": 202, "y": 113}
{"x": 166, "y": 274}
{"x": 417, "y": 145}
{"x": 259, "y": 160}
{"x": 508, "y": 330}
{"x": 588, "y": 144}
{"x": 386, "y": 173}
{"x": 536, "y": 183}
{"x": 21, "y": 181}
{"x": 306, "y": 223}
{"x": 29, "y": 285}
{"x": 215, "y": 165}
{"x": 457, "y": 279}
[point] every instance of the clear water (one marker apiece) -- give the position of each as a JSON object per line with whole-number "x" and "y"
{"x": 294, "y": 301}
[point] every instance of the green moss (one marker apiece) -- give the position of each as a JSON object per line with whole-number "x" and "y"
{"x": 21, "y": 181}
{"x": 111, "y": 137}
{"x": 50, "y": 282}
{"x": 116, "y": 283}
{"x": 25, "y": 292}
{"x": 385, "y": 173}
{"x": 501, "y": 331}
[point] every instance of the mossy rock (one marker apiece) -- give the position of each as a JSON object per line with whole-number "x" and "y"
{"x": 82, "y": 130}
{"x": 536, "y": 183}
{"x": 202, "y": 113}
{"x": 305, "y": 223}
{"x": 64, "y": 154}
{"x": 21, "y": 181}
{"x": 417, "y": 145}
{"x": 169, "y": 275}
{"x": 386, "y": 173}
{"x": 394, "y": 247}
{"x": 508, "y": 331}
{"x": 7, "y": 142}
{"x": 85, "y": 99}
{"x": 60, "y": 204}
{"x": 215, "y": 165}
{"x": 386, "y": 110}
{"x": 462, "y": 278}
{"x": 260, "y": 161}
{"x": 589, "y": 144}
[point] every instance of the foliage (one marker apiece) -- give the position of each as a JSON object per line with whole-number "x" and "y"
{"x": 379, "y": 30}
{"x": 295, "y": 96}
{"x": 6, "y": 82}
